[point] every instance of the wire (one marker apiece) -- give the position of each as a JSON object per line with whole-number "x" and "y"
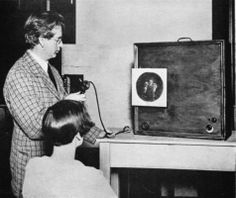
{"x": 98, "y": 106}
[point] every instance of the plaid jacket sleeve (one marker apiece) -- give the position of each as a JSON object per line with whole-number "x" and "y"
{"x": 92, "y": 135}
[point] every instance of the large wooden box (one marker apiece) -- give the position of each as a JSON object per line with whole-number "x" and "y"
{"x": 196, "y": 101}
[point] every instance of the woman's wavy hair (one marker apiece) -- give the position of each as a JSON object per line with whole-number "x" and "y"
{"x": 63, "y": 121}
{"x": 41, "y": 25}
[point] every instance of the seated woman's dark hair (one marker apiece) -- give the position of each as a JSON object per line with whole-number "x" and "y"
{"x": 63, "y": 121}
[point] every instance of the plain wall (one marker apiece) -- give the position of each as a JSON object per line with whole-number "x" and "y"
{"x": 105, "y": 33}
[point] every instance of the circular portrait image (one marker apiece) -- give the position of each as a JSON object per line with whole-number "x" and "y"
{"x": 149, "y": 86}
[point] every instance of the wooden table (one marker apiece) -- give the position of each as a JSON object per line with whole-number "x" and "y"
{"x": 134, "y": 151}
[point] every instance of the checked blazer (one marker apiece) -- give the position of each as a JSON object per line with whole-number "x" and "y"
{"x": 28, "y": 92}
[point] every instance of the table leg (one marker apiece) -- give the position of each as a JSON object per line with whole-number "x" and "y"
{"x": 105, "y": 167}
{"x": 115, "y": 182}
{"x": 104, "y": 160}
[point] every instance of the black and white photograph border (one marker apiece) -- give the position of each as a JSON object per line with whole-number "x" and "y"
{"x": 149, "y": 87}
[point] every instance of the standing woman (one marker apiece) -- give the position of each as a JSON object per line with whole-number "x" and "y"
{"x": 31, "y": 86}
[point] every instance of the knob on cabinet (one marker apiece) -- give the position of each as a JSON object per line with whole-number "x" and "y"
{"x": 145, "y": 126}
{"x": 209, "y": 128}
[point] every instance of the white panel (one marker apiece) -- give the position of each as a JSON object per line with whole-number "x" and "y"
{"x": 172, "y": 157}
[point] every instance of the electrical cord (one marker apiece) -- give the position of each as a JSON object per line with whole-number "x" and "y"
{"x": 126, "y": 129}
{"x": 98, "y": 106}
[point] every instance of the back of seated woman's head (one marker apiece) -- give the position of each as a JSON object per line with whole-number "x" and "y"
{"x": 63, "y": 121}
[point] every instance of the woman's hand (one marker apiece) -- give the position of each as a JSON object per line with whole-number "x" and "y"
{"x": 76, "y": 96}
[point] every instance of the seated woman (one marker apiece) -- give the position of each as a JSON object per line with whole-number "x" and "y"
{"x": 59, "y": 174}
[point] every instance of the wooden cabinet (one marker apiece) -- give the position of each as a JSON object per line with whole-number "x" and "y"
{"x": 67, "y": 9}
{"x": 31, "y": 5}
{"x": 196, "y": 89}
